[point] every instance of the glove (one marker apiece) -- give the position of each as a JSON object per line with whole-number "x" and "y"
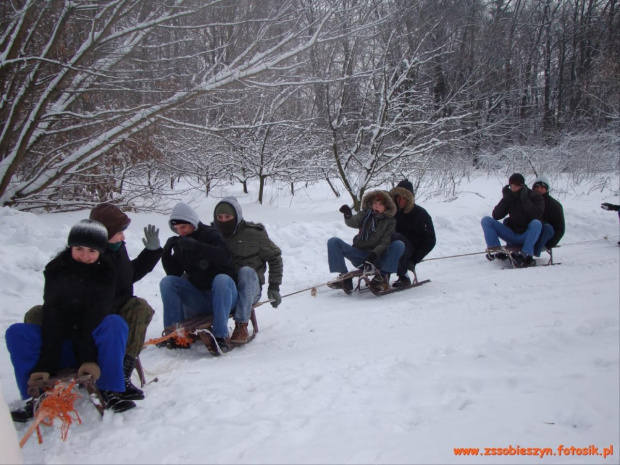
{"x": 273, "y": 293}
{"x": 170, "y": 243}
{"x": 36, "y": 381}
{"x": 187, "y": 243}
{"x": 346, "y": 211}
{"x": 151, "y": 238}
{"x": 371, "y": 258}
{"x": 89, "y": 368}
{"x": 610, "y": 207}
{"x": 507, "y": 194}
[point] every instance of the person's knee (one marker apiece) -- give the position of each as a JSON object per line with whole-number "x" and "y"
{"x": 167, "y": 283}
{"x": 487, "y": 221}
{"x": 246, "y": 274}
{"x": 115, "y": 323}
{"x": 333, "y": 241}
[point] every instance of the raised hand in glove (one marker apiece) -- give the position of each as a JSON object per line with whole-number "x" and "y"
{"x": 170, "y": 243}
{"x": 371, "y": 258}
{"x": 507, "y": 194}
{"x": 610, "y": 207}
{"x": 151, "y": 238}
{"x": 273, "y": 293}
{"x": 36, "y": 381}
{"x": 89, "y": 368}
{"x": 346, "y": 211}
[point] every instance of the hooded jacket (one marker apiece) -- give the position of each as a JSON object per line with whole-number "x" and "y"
{"x": 251, "y": 246}
{"x": 380, "y": 239}
{"x": 415, "y": 224}
{"x": 553, "y": 215}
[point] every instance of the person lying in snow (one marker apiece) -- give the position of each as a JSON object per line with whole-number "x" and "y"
{"x": 372, "y": 244}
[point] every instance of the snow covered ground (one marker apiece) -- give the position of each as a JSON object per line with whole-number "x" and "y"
{"x": 481, "y": 357}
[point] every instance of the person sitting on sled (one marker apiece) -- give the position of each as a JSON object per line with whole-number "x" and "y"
{"x": 553, "y": 218}
{"x": 525, "y": 209}
{"x": 79, "y": 328}
{"x": 200, "y": 276}
{"x": 252, "y": 251}
{"x": 136, "y": 311}
{"x": 414, "y": 227}
{"x": 372, "y": 244}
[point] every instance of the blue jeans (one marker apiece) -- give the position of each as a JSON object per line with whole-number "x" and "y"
{"x": 338, "y": 250}
{"x": 183, "y": 300}
{"x": 249, "y": 290}
{"x": 494, "y": 230}
{"x": 545, "y": 235}
{"x": 24, "y": 342}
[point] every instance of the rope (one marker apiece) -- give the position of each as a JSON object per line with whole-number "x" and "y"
{"x": 58, "y": 402}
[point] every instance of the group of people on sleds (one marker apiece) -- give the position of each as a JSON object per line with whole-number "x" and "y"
{"x": 92, "y": 321}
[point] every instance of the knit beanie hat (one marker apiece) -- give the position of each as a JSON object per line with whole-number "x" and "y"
{"x": 89, "y": 233}
{"x": 406, "y": 184}
{"x": 517, "y": 179}
{"x": 112, "y": 218}
{"x": 543, "y": 181}
{"x": 183, "y": 213}
{"x": 225, "y": 208}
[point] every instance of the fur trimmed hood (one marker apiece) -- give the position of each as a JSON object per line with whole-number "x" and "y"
{"x": 390, "y": 206}
{"x": 406, "y": 194}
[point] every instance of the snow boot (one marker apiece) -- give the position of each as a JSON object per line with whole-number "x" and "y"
{"x": 240, "y": 334}
{"x": 114, "y": 402}
{"x": 403, "y": 281}
{"x": 380, "y": 283}
{"x": 223, "y": 343}
{"x": 523, "y": 260}
{"x": 345, "y": 284}
{"x": 131, "y": 391}
{"x": 25, "y": 413}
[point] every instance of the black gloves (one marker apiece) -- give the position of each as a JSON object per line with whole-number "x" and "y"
{"x": 187, "y": 243}
{"x": 507, "y": 194}
{"x": 346, "y": 211}
{"x": 610, "y": 207}
{"x": 170, "y": 243}
{"x": 371, "y": 258}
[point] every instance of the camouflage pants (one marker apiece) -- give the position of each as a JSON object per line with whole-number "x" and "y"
{"x": 136, "y": 312}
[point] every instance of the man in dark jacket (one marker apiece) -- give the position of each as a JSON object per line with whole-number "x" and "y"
{"x": 135, "y": 311}
{"x": 414, "y": 227}
{"x": 525, "y": 209}
{"x": 553, "y": 219}
{"x": 200, "y": 278}
{"x": 252, "y": 251}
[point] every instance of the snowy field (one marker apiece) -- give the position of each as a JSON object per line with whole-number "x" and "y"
{"x": 480, "y": 357}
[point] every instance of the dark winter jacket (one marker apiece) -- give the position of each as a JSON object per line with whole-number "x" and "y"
{"x": 554, "y": 215}
{"x": 379, "y": 240}
{"x": 251, "y": 246}
{"x": 415, "y": 224}
{"x": 76, "y": 299}
{"x": 129, "y": 271}
{"x": 522, "y": 207}
{"x": 200, "y": 256}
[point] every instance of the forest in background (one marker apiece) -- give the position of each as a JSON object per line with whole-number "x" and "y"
{"x": 118, "y": 100}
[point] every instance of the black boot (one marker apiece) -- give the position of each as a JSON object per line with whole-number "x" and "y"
{"x": 131, "y": 391}
{"x": 115, "y": 403}
{"x": 25, "y": 413}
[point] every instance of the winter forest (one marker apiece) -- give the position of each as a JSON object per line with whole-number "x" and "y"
{"x": 121, "y": 100}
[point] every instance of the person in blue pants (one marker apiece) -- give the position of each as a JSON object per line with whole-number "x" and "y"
{"x": 78, "y": 329}
{"x": 200, "y": 275}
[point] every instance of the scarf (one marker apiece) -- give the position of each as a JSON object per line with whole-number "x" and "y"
{"x": 369, "y": 225}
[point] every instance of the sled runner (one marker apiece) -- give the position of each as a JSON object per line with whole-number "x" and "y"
{"x": 197, "y": 328}
{"x": 366, "y": 275}
{"x": 507, "y": 253}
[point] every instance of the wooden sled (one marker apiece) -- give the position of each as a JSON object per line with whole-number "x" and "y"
{"x": 505, "y": 253}
{"x": 198, "y": 328}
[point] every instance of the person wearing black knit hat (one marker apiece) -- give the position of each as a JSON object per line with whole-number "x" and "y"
{"x": 525, "y": 209}
{"x": 414, "y": 227}
{"x": 553, "y": 218}
{"x": 200, "y": 275}
{"x": 135, "y": 311}
{"x": 78, "y": 304}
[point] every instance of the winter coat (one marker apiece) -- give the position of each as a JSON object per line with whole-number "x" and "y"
{"x": 415, "y": 224}
{"x": 200, "y": 256}
{"x": 554, "y": 215}
{"x": 251, "y": 246}
{"x": 129, "y": 271}
{"x": 380, "y": 239}
{"x": 521, "y": 207}
{"x": 76, "y": 299}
